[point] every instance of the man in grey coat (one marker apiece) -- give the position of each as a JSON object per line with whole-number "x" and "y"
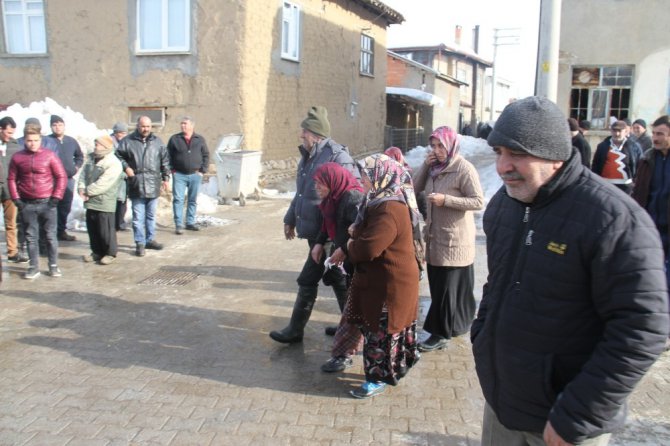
{"x": 145, "y": 161}
{"x": 304, "y": 217}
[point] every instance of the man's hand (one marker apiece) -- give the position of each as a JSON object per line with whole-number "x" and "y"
{"x": 552, "y": 438}
{"x": 83, "y": 195}
{"x": 130, "y": 172}
{"x": 53, "y": 202}
{"x": 165, "y": 186}
{"x": 338, "y": 256}
{"x": 317, "y": 252}
{"x": 436, "y": 199}
{"x": 19, "y": 204}
{"x": 289, "y": 232}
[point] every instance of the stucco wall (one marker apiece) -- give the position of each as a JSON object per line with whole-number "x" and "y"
{"x": 232, "y": 80}
{"x": 618, "y": 32}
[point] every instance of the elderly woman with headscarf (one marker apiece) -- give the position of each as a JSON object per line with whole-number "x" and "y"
{"x": 341, "y": 194}
{"x": 453, "y": 192}
{"x": 384, "y": 292}
{"x": 98, "y": 186}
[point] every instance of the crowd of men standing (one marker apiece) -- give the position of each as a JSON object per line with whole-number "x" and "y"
{"x": 38, "y": 181}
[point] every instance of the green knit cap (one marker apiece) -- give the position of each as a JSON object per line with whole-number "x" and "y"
{"x": 317, "y": 121}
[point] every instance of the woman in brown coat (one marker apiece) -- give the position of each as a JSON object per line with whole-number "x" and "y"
{"x": 453, "y": 191}
{"x": 385, "y": 287}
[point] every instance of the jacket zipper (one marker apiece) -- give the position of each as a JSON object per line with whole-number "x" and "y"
{"x": 522, "y": 243}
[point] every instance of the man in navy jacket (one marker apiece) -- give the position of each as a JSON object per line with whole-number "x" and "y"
{"x": 575, "y": 308}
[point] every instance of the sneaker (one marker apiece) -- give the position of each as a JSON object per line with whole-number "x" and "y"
{"x": 139, "y": 250}
{"x": 368, "y": 389}
{"x": 153, "y": 244}
{"x": 107, "y": 260}
{"x": 337, "y": 364}
{"x": 18, "y": 258}
{"x": 192, "y": 228}
{"x": 179, "y": 230}
{"x": 432, "y": 343}
{"x": 65, "y": 237}
{"x": 31, "y": 274}
{"x": 92, "y": 257}
{"x": 54, "y": 271}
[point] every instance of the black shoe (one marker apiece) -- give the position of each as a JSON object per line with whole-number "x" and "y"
{"x": 31, "y": 274}
{"x": 192, "y": 228}
{"x": 331, "y": 330}
{"x": 179, "y": 230}
{"x": 153, "y": 244}
{"x": 139, "y": 250}
{"x": 337, "y": 364}
{"x": 65, "y": 237}
{"x": 286, "y": 336}
{"x": 433, "y": 343}
{"x": 18, "y": 258}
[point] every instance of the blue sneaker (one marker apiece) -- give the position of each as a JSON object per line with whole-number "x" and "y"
{"x": 368, "y": 389}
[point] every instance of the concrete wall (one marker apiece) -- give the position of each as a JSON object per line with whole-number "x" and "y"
{"x": 232, "y": 80}
{"x": 617, "y": 32}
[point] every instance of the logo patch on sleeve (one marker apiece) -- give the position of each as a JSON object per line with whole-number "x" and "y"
{"x": 558, "y": 248}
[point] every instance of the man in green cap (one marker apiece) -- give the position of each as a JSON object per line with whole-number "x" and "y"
{"x": 304, "y": 218}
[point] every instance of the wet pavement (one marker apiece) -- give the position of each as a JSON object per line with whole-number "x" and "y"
{"x": 173, "y": 349}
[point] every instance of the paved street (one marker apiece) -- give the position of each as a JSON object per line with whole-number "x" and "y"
{"x": 173, "y": 349}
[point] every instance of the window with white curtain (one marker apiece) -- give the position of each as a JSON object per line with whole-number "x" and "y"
{"x": 290, "y": 31}
{"x": 367, "y": 65}
{"x": 163, "y": 26}
{"x": 25, "y": 31}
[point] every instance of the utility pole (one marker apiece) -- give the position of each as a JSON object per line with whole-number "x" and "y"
{"x": 546, "y": 73}
{"x": 501, "y": 36}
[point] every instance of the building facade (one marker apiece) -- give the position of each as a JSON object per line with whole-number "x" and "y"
{"x": 614, "y": 60}
{"x": 252, "y": 67}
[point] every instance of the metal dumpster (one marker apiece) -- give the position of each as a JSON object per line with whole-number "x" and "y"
{"x": 237, "y": 171}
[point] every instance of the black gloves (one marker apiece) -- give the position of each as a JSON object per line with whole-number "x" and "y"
{"x": 19, "y": 204}
{"x": 53, "y": 202}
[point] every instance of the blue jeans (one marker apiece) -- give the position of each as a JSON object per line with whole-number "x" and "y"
{"x": 36, "y": 215}
{"x": 144, "y": 219}
{"x": 181, "y": 181}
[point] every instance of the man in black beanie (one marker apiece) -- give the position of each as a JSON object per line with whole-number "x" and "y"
{"x": 570, "y": 320}
{"x": 304, "y": 217}
{"x": 639, "y": 129}
{"x": 70, "y": 154}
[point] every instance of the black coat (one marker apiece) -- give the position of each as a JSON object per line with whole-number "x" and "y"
{"x": 304, "y": 213}
{"x": 188, "y": 158}
{"x": 150, "y": 162}
{"x": 584, "y": 149}
{"x": 574, "y": 311}
{"x": 345, "y": 216}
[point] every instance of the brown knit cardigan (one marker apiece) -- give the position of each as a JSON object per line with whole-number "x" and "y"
{"x": 386, "y": 271}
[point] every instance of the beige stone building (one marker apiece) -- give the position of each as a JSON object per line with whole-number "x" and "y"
{"x": 614, "y": 61}
{"x": 236, "y": 66}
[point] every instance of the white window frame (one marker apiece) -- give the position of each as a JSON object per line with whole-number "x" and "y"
{"x": 26, "y": 14}
{"x": 367, "y": 62}
{"x": 157, "y": 115}
{"x": 290, "y": 31}
{"x": 164, "y": 24}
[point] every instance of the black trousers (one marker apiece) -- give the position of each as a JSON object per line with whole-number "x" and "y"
{"x": 452, "y": 306}
{"x": 101, "y": 232}
{"x": 120, "y": 216}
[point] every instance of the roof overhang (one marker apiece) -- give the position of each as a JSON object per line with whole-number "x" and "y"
{"x": 415, "y": 96}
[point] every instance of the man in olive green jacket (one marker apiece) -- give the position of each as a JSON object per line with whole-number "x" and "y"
{"x": 98, "y": 186}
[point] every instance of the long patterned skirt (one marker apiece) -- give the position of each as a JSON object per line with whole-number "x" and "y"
{"x": 388, "y": 357}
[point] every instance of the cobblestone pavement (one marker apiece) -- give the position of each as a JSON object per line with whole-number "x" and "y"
{"x": 114, "y": 355}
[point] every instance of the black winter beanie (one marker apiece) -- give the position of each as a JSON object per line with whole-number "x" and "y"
{"x": 534, "y": 125}
{"x": 317, "y": 121}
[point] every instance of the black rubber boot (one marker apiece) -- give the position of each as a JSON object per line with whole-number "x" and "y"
{"x": 302, "y": 310}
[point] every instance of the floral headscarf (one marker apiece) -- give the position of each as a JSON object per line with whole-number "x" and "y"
{"x": 339, "y": 180}
{"x": 396, "y": 154}
{"x": 390, "y": 181}
{"x": 449, "y": 139}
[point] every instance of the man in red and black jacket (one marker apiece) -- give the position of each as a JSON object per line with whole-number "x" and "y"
{"x": 37, "y": 181}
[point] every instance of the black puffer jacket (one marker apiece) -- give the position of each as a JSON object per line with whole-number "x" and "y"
{"x": 575, "y": 308}
{"x": 304, "y": 213}
{"x": 149, "y": 160}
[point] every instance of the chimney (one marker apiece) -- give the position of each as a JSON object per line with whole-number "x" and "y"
{"x": 457, "y": 34}
{"x": 475, "y": 39}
